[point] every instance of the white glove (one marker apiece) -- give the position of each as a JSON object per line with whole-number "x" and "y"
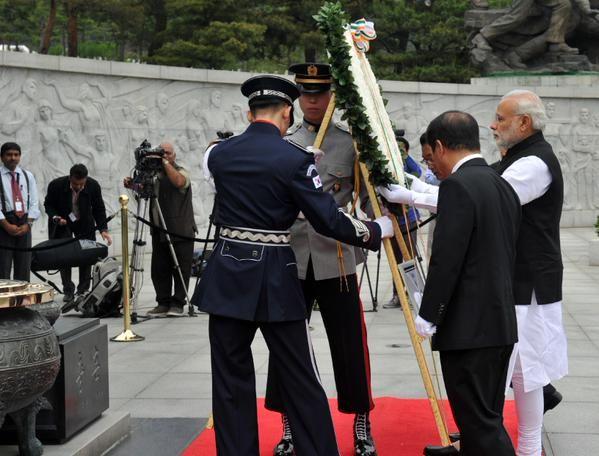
{"x": 417, "y": 185}
{"x": 318, "y": 153}
{"x": 424, "y": 328}
{"x": 397, "y": 194}
{"x": 386, "y": 226}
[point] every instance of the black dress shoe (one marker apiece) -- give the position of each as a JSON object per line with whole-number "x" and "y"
{"x": 363, "y": 442}
{"x": 440, "y": 450}
{"x": 551, "y": 397}
{"x": 284, "y": 448}
{"x": 454, "y": 437}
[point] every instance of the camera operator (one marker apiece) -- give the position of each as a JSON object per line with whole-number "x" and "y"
{"x": 173, "y": 192}
{"x": 75, "y": 206}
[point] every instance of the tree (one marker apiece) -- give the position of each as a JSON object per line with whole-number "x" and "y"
{"x": 48, "y": 29}
{"x": 421, "y": 43}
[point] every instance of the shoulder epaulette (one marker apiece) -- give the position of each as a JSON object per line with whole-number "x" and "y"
{"x": 298, "y": 145}
{"x": 343, "y": 126}
{"x": 293, "y": 129}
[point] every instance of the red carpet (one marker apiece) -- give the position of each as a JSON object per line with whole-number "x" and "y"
{"x": 400, "y": 427}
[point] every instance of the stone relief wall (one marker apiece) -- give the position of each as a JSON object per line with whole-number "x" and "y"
{"x": 98, "y": 118}
{"x": 63, "y": 118}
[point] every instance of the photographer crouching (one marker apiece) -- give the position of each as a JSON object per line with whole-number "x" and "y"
{"x": 172, "y": 190}
{"x": 75, "y": 206}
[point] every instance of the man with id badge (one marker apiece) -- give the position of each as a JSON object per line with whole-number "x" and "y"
{"x": 19, "y": 208}
{"x": 75, "y": 206}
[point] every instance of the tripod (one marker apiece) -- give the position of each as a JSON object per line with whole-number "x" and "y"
{"x": 139, "y": 244}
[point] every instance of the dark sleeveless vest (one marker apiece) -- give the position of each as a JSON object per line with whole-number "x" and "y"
{"x": 538, "y": 254}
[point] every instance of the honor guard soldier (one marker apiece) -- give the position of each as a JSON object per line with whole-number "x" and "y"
{"x": 327, "y": 269}
{"x": 262, "y": 182}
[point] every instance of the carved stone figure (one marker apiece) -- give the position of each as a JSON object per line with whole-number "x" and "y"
{"x": 583, "y": 139}
{"x": 555, "y": 133}
{"x": 237, "y": 119}
{"x": 141, "y": 127}
{"x": 195, "y": 127}
{"x": 532, "y": 34}
{"x": 160, "y": 118}
{"x": 90, "y": 111}
{"x": 20, "y": 113}
{"x": 212, "y": 122}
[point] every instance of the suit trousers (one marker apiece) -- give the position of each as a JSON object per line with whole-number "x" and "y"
{"x": 475, "y": 384}
{"x": 20, "y": 262}
{"x": 234, "y": 386}
{"x": 85, "y": 272}
{"x": 164, "y": 271}
{"x": 341, "y": 311}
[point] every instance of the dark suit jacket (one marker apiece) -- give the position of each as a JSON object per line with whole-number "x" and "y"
{"x": 262, "y": 182}
{"x": 469, "y": 287}
{"x": 92, "y": 212}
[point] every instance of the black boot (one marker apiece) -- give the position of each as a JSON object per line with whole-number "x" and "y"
{"x": 285, "y": 446}
{"x": 363, "y": 443}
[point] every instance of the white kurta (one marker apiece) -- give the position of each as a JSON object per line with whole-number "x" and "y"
{"x": 542, "y": 343}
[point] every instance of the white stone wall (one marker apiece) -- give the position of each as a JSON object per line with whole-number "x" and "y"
{"x": 65, "y": 110}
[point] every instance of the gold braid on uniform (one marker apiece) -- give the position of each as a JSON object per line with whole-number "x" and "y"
{"x": 342, "y": 274}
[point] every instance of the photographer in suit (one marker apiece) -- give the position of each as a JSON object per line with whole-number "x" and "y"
{"x": 75, "y": 207}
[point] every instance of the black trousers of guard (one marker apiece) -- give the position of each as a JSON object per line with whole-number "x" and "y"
{"x": 475, "y": 384}
{"x": 234, "y": 387}
{"x": 164, "y": 272}
{"x": 341, "y": 311}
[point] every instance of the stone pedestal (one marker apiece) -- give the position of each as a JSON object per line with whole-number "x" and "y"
{"x": 80, "y": 393}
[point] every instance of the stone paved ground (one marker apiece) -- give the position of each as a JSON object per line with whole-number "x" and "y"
{"x": 168, "y": 374}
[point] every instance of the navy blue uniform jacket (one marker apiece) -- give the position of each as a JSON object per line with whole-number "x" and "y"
{"x": 262, "y": 182}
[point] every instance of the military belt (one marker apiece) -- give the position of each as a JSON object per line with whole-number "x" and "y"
{"x": 254, "y": 236}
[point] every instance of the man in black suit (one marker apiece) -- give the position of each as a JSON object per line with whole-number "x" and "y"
{"x": 468, "y": 301}
{"x": 75, "y": 207}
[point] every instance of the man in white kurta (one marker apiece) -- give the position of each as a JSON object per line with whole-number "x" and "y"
{"x": 529, "y": 165}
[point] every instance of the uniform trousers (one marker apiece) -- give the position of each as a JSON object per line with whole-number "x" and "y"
{"x": 475, "y": 384}
{"x": 341, "y": 311}
{"x": 19, "y": 261}
{"x": 164, "y": 271}
{"x": 234, "y": 386}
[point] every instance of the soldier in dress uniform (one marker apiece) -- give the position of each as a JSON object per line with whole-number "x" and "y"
{"x": 327, "y": 269}
{"x": 262, "y": 183}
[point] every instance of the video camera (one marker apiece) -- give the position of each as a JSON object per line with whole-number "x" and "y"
{"x": 148, "y": 163}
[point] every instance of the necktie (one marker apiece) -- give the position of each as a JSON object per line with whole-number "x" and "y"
{"x": 75, "y": 204}
{"x": 17, "y": 197}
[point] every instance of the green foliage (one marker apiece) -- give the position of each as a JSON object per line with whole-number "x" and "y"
{"x": 331, "y": 20}
{"x": 597, "y": 226}
{"x": 414, "y": 42}
{"x": 227, "y": 46}
{"x": 420, "y": 43}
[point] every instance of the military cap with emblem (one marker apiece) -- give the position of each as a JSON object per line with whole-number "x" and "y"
{"x": 268, "y": 89}
{"x": 312, "y": 77}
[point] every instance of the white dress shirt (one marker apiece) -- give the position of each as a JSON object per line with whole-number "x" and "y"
{"x": 29, "y": 192}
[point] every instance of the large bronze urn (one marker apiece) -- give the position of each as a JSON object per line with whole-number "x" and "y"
{"x": 29, "y": 357}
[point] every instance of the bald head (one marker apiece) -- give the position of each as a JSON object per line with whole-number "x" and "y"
{"x": 169, "y": 151}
